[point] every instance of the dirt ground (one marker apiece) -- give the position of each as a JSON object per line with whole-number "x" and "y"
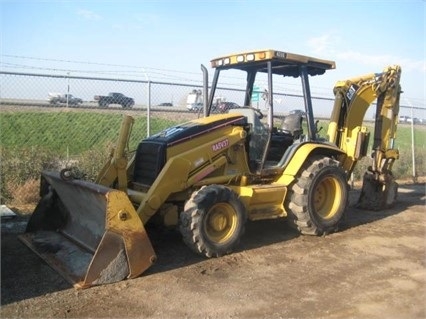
{"x": 374, "y": 267}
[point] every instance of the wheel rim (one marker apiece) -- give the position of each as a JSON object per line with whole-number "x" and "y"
{"x": 221, "y": 222}
{"x": 327, "y": 197}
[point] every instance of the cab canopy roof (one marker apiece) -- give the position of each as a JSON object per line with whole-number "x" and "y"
{"x": 283, "y": 63}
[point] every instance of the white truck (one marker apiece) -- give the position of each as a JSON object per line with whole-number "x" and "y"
{"x": 194, "y": 101}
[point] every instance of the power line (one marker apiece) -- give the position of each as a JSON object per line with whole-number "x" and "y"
{"x": 159, "y": 75}
{"x": 93, "y": 63}
{"x": 114, "y": 65}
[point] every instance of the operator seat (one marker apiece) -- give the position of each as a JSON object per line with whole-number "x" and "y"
{"x": 292, "y": 125}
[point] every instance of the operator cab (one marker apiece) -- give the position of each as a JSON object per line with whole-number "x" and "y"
{"x": 256, "y": 75}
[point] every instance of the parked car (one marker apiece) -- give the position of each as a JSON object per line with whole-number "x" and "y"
{"x": 58, "y": 98}
{"x": 165, "y": 104}
{"x": 404, "y": 119}
{"x": 115, "y": 98}
{"x": 414, "y": 120}
{"x": 224, "y": 107}
{"x": 195, "y": 107}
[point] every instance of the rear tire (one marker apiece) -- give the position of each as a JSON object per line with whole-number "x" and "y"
{"x": 213, "y": 221}
{"x": 319, "y": 197}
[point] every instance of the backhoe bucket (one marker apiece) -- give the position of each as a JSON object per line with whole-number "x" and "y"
{"x": 377, "y": 193}
{"x": 89, "y": 233}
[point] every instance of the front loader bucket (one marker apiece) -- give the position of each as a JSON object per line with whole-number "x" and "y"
{"x": 89, "y": 233}
{"x": 378, "y": 192}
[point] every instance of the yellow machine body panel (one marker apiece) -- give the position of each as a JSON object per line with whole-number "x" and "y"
{"x": 292, "y": 168}
{"x": 262, "y": 201}
{"x": 194, "y": 152}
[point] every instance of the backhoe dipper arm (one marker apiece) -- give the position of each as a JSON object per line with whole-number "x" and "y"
{"x": 352, "y": 99}
{"x": 387, "y": 111}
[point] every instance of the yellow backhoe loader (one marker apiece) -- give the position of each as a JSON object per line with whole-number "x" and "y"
{"x": 208, "y": 176}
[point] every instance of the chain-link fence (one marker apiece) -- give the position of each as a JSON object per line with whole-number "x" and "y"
{"x": 52, "y": 122}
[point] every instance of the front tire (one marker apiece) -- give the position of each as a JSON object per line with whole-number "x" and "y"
{"x": 127, "y": 105}
{"x": 213, "y": 221}
{"x": 319, "y": 197}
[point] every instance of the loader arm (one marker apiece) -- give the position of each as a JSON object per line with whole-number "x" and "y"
{"x": 353, "y": 97}
{"x": 116, "y": 166}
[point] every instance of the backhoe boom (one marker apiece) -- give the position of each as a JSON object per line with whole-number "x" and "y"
{"x": 353, "y": 98}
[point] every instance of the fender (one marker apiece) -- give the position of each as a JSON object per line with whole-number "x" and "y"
{"x": 297, "y": 155}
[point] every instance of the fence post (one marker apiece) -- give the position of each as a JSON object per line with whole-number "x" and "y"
{"x": 148, "y": 111}
{"x": 68, "y": 87}
{"x": 412, "y": 147}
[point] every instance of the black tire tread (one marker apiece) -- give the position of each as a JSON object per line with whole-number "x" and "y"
{"x": 298, "y": 200}
{"x": 191, "y": 220}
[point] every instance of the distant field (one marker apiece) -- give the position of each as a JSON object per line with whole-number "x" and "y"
{"x": 403, "y": 135}
{"x": 74, "y": 132}
{"x": 81, "y": 131}
{"x": 403, "y": 167}
{"x": 33, "y": 141}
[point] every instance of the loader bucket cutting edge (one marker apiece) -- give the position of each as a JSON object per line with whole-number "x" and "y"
{"x": 88, "y": 233}
{"x": 377, "y": 194}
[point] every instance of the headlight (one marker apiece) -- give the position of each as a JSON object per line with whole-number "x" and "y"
{"x": 250, "y": 57}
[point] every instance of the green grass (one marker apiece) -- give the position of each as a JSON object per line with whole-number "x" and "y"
{"x": 403, "y": 167}
{"x": 33, "y": 141}
{"x": 68, "y": 132}
{"x": 403, "y": 135}
{"x": 73, "y": 133}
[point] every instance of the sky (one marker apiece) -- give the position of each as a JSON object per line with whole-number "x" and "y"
{"x": 170, "y": 39}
